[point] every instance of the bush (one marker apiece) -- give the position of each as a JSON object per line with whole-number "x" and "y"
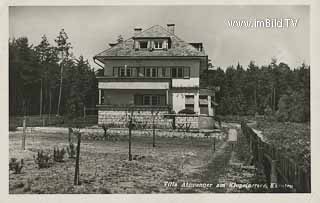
{"x": 43, "y": 159}
{"x": 58, "y": 154}
{"x": 15, "y": 166}
{"x": 186, "y": 111}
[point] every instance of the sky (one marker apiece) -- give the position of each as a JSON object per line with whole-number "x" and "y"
{"x": 92, "y": 28}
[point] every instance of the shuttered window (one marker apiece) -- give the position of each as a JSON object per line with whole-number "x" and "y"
{"x": 180, "y": 72}
{"x": 203, "y": 100}
{"x": 186, "y": 72}
{"x": 189, "y": 99}
{"x": 168, "y": 71}
{"x": 141, "y": 72}
{"x": 115, "y": 71}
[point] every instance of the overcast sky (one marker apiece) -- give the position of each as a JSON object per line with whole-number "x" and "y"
{"x": 90, "y": 29}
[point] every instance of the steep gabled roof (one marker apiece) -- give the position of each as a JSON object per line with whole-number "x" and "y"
{"x": 126, "y": 48}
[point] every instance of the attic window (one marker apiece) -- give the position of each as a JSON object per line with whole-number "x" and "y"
{"x": 143, "y": 44}
{"x": 158, "y": 44}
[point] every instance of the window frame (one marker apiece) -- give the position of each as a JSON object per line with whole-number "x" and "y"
{"x": 122, "y": 70}
{"x": 178, "y": 71}
{"x": 157, "y": 44}
{"x": 143, "y": 41}
{"x": 151, "y": 98}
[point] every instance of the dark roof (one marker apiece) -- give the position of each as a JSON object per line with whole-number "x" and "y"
{"x": 178, "y": 46}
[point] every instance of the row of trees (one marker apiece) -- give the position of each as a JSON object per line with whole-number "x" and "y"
{"x": 275, "y": 89}
{"x": 49, "y": 79}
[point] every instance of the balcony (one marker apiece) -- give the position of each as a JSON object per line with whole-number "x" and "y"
{"x": 133, "y": 83}
{"x": 115, "y": 107}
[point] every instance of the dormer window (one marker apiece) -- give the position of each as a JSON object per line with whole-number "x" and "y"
{"x": 158, "y": 45}
{"x": 143, "y": 44}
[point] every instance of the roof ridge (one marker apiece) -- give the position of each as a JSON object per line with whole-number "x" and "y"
{"x": 147, "y": 30}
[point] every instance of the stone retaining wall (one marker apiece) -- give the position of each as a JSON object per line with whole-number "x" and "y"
{"x": 143, "y": 119}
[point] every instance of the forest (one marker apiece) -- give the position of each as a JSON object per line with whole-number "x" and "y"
{"x": 274, "y": 90}
{"x": 49, "y": 79}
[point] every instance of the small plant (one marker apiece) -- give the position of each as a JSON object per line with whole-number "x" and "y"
{"x": 105, "y": 129}
{"x": 58, "y": 154}
{"x": 71, "y": 150}
{"x": 16, "y": 166}
{"x": 43, "y": 159}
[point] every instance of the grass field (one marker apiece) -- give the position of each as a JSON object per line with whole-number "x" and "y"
{"x": 104, "y": 165}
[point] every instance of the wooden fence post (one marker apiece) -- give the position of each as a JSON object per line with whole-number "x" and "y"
{"x": 77, "y": 171}
{"x": 153, "y": 130}
{"x": 84, "y": 112}
{"x": 130, "y": 127}
{"x": 23, "y": 146}
{"x": 260, "y": 152}
{"x": 273, "y": 173}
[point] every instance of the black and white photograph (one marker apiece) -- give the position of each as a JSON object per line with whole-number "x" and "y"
{"x": 159, "y": 99}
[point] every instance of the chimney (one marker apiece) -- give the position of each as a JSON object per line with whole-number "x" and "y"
{"x": 137, "y": 31}
{"x": 170, "y": 28}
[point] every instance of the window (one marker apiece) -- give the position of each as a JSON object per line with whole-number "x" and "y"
{"x": 148, "y": 72}
{"x": 186, "y": 72}
{"x": 180, "y": 72}
{"x": 158, "y": 44}
{"x": 151, "y": 72}
{"x": 143, "y": 44}
{"x": 122, "y": 72}
{"x": 151, "y": 100}
{"x": 203, "y": 100}
{"x": 177, "y": 72}
{"x": 174, "y": 72}
{"x": 146, "y": 100}
{"x": 155, "y": 100}
{"x": 125, "y": 72}
{"x": 161, "y": 72}
{"x": 189, "y": 102}
{"x": 140, "y": 72}
{"x": 115, "y": 71}
{"x": 128, "y": 72}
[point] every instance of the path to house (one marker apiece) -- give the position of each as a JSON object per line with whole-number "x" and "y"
{"x": 225, "y": 169}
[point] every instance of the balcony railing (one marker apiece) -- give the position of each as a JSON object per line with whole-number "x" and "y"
{"x": 132, "y": 79}
{"x": 128, "y": 107}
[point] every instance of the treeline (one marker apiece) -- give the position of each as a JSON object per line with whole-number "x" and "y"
{"x": 273, "y": 90}
{"x": 49, "y": 79}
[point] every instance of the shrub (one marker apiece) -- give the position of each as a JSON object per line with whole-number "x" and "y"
{"x": 43, "y": 159}
{"x": 71, "y": 149}
{"x": 58, "y": 154}
{"x": 15, "y": 166}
